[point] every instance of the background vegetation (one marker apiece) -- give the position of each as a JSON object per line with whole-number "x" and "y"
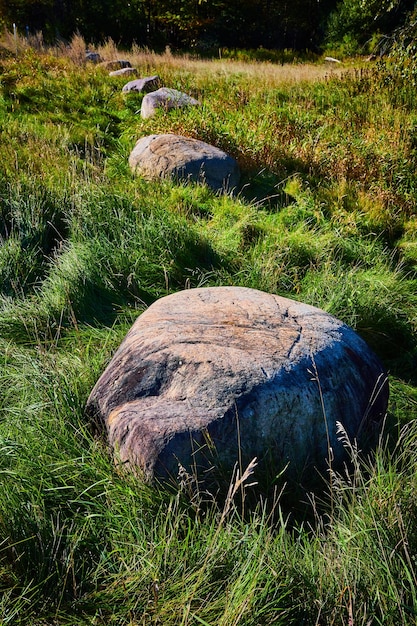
{"x": 326, "y": 214}
{"x": 207, "y": 26}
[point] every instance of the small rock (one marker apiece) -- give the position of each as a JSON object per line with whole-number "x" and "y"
{"x": 149, "y": 83}
{"x": 123, "y": 71}
{"x": 93, "y": 57}
{"x": 116, "y": 64}
{"x": 165, "y": 98}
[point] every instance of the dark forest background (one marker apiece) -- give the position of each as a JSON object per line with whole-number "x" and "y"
{"x": 204, "y": 25}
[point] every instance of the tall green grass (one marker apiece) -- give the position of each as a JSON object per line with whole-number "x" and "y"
{"x": 325, "y": 214}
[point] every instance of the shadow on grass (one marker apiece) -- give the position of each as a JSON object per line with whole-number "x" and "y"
{"x": 82, "y": 288}
{"x": 265, "y": 187}
{"x": 392, "y": 338}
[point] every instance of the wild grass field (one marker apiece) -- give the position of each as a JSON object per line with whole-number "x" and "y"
{"x": 326, "y": 214}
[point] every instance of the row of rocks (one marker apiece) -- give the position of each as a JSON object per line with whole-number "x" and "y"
{"x": 175, "y": 156}
{"x": 169, "y": 155}
{"x": 211, "y": 375}
{"x": 156, "y": 97}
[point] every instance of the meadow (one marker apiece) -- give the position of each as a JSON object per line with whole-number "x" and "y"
{"x": 326, "y": 214}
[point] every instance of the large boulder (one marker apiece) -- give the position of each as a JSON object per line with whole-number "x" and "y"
{"x": 165, "y": 98}
{"x": 183, "y": 158}
{"x": 142, "y": 85}
{"x": 210, "y": 375}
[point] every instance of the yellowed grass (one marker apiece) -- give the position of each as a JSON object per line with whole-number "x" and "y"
{"x": 109, "y": 52}
{"x": 76, "y": 49}
{"x": 13, "y": 42}
{"x": 148, "y": 61}
{"x": 264, "y": 72}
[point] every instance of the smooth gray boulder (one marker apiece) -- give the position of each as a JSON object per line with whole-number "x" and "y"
{"x": 207, "y": 372}
{"x": 184, "y": 158}
{"x": 165, "y": 98}
{"x": 142, "y": 85}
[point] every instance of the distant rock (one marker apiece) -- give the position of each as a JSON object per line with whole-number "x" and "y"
{"x": 124, "y": 71}
{"x": 183, "y": 158}
{"x": 206, "y": 373}
{"x": 149, "y": 83}
{"x": 93, "y": 57}
{"x": 166, "y": 99}
{"x": 116, "y": 64}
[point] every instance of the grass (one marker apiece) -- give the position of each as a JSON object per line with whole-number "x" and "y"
{"x": 325, "y": 214}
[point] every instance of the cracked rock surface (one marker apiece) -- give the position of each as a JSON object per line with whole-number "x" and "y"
{"x": 184, "y": 158}
{"x": 207, "y": 373}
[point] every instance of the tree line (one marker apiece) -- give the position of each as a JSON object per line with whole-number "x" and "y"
{"x": 205, "y": 25}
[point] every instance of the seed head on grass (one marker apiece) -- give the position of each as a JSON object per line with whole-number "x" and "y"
{"x": 238, "y": 483}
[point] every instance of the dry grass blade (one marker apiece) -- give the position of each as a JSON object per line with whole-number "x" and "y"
{"x": 236, "y": 484}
